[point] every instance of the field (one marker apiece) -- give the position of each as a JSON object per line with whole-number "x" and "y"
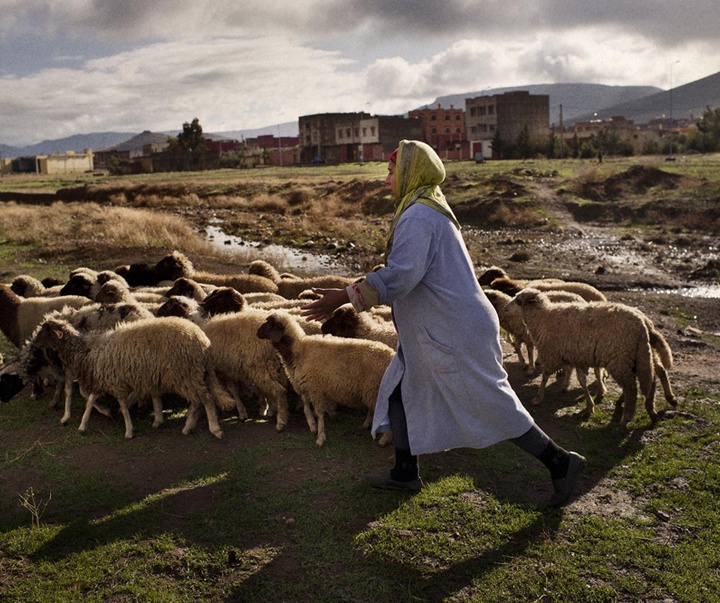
{"x": 267, "y": 516}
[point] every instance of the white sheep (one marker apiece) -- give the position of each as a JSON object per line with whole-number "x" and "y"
{"x": 28, "y": 286}
{"x": 598, "y": 334}
{"x": 328, "y": 371}
{"x": 584, "y": 290}
{"x": 346, "y": 322}
{"x": 20, "y": 316}
{"x": 140, "y": 360}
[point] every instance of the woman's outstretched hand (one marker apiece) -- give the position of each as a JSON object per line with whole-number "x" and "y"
{"x": 322, "y": 309}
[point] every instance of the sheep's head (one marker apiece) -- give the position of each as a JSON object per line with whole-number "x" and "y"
{"x": 50, "y": 333}
{"x": 529, "y": 297}
{"x": 112, "y": 292}
{"x": 183, "y": 286}
{"x": 263, "y": 268}
{"x": 175, "y": 306}
{"x": 272, "y": 329}
{"x": 173, "y": 266}
{"x": 223, "y": 300}
{"x": 79, "y": 284}
{"x": 505, "y": 285}
{"x": 497, "y": 298}
{"x": 489, "y": 275}
{"x": 342, "y": 323}
{"x": 24, "y": 285}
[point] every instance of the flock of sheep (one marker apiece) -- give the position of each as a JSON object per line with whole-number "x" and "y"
{"x": 139, "y": 332}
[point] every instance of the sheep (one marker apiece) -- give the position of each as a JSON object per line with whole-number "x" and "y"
{"x": 292, "y": 288}
{"x": 598, "y": 334}
{"x": 20, "y": 316}
{"x": 28, "y": 286}
{"x": 175, "y": 264}
{"x": 188, "y": 287}
{"x": 512, "y": 322}
{"x": 141, "y": 359}
{"x": 35, "y": 361}
{"x": 346, "y": 322}
{"x": 511, "y": 287}
{"x": 328, "y": 371}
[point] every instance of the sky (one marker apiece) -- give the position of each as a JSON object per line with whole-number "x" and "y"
{"x": 80, "y": 66}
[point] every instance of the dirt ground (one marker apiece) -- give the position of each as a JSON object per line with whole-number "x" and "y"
{"x": 657, "y": 275}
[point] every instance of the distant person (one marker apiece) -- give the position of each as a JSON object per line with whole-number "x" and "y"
{"x": 446, "y": 386}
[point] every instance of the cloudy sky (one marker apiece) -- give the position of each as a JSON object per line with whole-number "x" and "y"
{"x": 78, "y": 66}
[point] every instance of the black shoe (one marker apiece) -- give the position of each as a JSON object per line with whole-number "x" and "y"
{"x": 564, "y": 487}
{"x": 383, "y": 481}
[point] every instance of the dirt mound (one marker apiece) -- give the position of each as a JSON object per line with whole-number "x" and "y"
{"x": 637, "y": 180}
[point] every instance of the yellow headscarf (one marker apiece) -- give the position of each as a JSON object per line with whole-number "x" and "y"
{"x": 418, "y": 174}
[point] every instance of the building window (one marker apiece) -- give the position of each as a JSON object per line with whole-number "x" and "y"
{"x": 447, "y": 130}
{"x": 433, "y": 117}
{"x": 491, "y": 110}
{"x": 447, "y": 117}
{"x": 458, "y": 117}
{"x": 473, "y": 111}
{"x": 458, "y": 130}
{"x": 473, "y": 130}
{"x": 340, "y": 134}
{"x": 433, "y": 130}
{"x": 372, "y": 130}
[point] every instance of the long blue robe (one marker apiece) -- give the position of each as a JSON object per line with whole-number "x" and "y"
{"x": 455, "y": 390}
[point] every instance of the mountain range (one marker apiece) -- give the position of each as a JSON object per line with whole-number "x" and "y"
{"x": 578, "y": 102}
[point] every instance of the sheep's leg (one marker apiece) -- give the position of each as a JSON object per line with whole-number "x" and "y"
{"x": 192, "y": 415}
{"x": 124, "y": 410}
{"x": 531, "y": 360}
{"x": 564, "y": 376}
{"x": 541, "y": 390}
{"x": 600, "y": 375}
{"x": 650, "y": 401}
{"x": 589, "y": 404}
{"x": 157, "y": 410}
{"x": 89, "y": 403}
{"x": 235, "y": 393}
{"x": 386, "y": 438}
{"x": 67, "y": 385}
{"x": 321, "y": 437}
{"x": 665, "y": 382}
{"x": 211, "y": 413}
{"x": 102, "y": 409}
{"x": 367, "y": 423}
{"x": 282, "y": 412}
{"x": 57, "y": 394}
{"x": 629, "y": 397}
{"x": 309, "y": 416}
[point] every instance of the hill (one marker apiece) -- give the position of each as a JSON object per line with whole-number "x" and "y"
{"x": 684, "y": 102}
{"x": 76, "y": 143}
{"x": 576, "y": 99}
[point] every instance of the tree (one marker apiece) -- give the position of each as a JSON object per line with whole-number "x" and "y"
{"x": 709, "y": 129}
{"x": 191, "y": 138}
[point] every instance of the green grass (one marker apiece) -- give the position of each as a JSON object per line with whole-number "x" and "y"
{"x": 282, "y": 518}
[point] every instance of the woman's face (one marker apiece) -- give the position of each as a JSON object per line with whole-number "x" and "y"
{"x": 390, "y": 178}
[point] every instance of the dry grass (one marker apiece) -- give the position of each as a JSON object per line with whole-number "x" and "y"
{"x": 91, "y": 225}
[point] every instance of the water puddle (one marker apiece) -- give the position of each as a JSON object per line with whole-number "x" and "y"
{"x": 283, "y": 258}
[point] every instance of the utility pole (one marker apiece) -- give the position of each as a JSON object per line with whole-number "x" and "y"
{"x": 562, "y": 135}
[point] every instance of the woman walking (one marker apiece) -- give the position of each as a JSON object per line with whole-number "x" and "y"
{"x": 446, "y": 386}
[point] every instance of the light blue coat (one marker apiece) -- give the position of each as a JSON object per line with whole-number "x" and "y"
{"x": 455, "y": 390}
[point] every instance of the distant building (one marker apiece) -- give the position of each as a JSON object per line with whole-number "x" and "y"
{"x": 59, "y": 163}
{"x": 444, "y": 130}
{"x": 506, "y": 116}
{"x": 347, "y": 137}
{"x": 318, "y": 136}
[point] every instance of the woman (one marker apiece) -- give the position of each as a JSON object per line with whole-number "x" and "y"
{"x": 446, "y": 386}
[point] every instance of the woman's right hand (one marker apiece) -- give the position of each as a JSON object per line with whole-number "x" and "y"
{"x": 322, "y": 309}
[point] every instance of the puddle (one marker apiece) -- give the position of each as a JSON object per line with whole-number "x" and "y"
{"x": 283, "y": 258}
{"x": 700, "y": 292}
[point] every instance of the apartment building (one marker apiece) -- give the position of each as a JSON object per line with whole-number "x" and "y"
{"x": 506, "y": 116}
{"x": 443, "y": 129}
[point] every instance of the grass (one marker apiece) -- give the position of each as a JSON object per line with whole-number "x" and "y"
{"x": 256, "y": 524}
